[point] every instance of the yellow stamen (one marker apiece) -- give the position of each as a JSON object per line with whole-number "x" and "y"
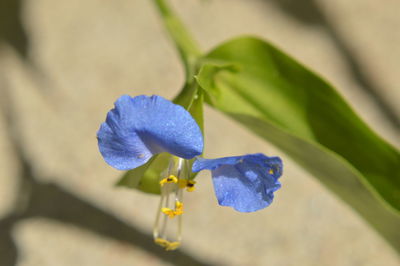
{"x": 167, "y": 244}
{"x": 190, "y": 185}
{"x": 271, "y": 171}
{"x": 162, "y": 242}
{"x": 172, "y": 246}
{"x": 169, "y": 180}
{"x": 169, "y": 212}
{"x": 171, "y": 204}
{"x": 178, "y": 208}
{"x": 172, "y": 213}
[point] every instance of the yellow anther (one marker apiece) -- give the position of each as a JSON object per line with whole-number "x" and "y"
{"x": 168, "y": 180}
{"x": 167, "y": 244}
{"x": 169, "y": 212}
{"x": 172, "y": 213}
{"x": 162, "y": 242}
{"x": 172, "y": 246}
{"x": 190, "y": 185}
{"x": 271, "y": 171}
{"x": 178, "y": 208}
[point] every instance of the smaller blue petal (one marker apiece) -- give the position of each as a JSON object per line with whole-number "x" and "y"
{"x": 246, "y": 183}
{"x": 142, "y": 126}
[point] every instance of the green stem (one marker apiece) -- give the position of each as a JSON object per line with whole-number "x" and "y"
{"x": 186, "y": 45}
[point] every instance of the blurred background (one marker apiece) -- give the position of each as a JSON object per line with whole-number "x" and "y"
{"x": 64, "y": 63}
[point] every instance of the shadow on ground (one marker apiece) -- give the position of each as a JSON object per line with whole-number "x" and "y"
{"x": 52, "y": 202}
{"x": 36, "y": 199}
{"x": 12, "y": 30}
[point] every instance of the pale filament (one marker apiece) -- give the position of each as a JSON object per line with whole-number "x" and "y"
{"x": 171, "y": 207}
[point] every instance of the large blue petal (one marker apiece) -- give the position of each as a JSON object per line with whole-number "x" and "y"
{"x": 142, "y": 126}
{"x": 246, "y": 183}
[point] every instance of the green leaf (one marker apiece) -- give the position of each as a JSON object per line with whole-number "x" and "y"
{"x": 293, "y": 108}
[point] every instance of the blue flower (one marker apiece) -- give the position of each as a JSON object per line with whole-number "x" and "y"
{"x": 246, "y": 183}
{"x": 142, "y": 126}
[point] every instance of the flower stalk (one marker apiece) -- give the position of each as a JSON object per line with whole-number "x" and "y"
{"x": 184, "y": 42}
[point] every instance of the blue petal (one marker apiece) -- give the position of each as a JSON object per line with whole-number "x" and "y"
{"x": 246, "y": 183}
{"x": 140, "y": 127}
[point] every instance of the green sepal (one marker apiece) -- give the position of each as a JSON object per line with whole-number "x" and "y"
{"x": 146, "y": 178}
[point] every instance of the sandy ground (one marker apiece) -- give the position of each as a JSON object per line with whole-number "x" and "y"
{"x": 82, "y": 55}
